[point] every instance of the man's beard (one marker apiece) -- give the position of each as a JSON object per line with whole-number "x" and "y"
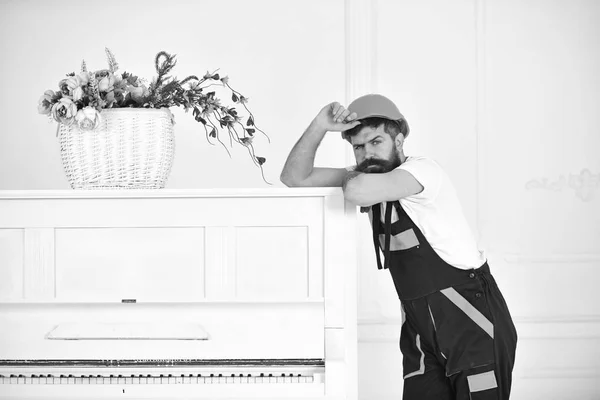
{"x": 378, "y": 166}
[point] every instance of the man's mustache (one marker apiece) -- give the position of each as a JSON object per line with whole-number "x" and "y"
{"x": 375, "y": 165}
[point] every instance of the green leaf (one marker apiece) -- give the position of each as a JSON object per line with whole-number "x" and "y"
{"x": 234, "y": 98}
{"x": 197, "y": 116}
{"x": 250, "y": 122}
{"x": 261, "y": 160}
{"x": 250, "y": 131}
{"x": 213, "y": 133}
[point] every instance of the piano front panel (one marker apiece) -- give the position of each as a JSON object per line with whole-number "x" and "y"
{"x": 151, "y": 209}
{"x": 272, "y": 262}
{"x": 11, "y": 264}
{"x": 218, "y": 256}
{"x": 112, "y": 264}
{"x": 235, "y": 330}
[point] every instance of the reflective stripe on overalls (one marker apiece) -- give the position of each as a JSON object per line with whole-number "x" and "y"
{"x": 450, "y": 312}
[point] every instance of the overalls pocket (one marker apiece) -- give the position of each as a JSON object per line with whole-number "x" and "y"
{"x": 483, "y": 386}
{"x": 463, "y": 326}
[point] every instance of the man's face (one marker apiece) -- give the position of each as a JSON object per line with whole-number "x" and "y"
{"x": 374, "y": 150}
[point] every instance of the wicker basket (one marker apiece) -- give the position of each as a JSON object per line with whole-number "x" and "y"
{"x": 132, "y": 148}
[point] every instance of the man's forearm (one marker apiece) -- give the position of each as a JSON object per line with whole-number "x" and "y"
{"x": 300, "y": 161}
{"x": 349, "y": 176}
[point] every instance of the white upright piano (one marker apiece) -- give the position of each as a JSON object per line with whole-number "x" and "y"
{"x": 173, "y": 294}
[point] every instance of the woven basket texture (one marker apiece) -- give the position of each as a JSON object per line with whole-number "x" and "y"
{"x": 132, "y": 148}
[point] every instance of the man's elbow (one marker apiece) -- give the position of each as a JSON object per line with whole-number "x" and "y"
{"x": 354, "y": 194}
{"x": 289, "y": 180}
{"x": 286, "y": 180}
{"x": 357, "y": 200}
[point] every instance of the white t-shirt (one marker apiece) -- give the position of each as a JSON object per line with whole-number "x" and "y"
{"x": 438, "y": 214}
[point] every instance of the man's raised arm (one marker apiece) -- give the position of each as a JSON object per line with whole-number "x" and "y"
{"x": 299, "y": 167}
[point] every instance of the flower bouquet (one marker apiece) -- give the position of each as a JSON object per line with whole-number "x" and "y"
{"x": 116, "y": 130}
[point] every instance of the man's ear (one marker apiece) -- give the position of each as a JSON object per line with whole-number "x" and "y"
{"x": 399, "y": 141}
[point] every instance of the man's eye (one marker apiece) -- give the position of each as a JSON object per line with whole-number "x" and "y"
{"x": 376, "y": 142}
{"x": 357, "y": 147}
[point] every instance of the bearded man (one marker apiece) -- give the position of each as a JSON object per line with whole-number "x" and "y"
{"x": 458, "y": 339}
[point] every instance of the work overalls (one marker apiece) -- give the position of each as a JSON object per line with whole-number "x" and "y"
{"x": 458, "y": 340}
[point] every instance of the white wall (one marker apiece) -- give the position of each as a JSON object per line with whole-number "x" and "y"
{"x": 503, "y": 94}
{"x": 541, "y": 112}
{"x": 289, "y": 61}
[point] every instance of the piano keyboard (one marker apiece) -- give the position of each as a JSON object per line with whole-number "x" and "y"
{"x": 229, "y": 374}
{"x": 150, "y": 379}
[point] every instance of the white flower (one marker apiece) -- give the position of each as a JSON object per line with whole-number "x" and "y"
{"x": 68, "y": 85}
{"x": 77, "y": 93}
{"x": 64, "y": 111}
{"x": 87, "y": 119}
